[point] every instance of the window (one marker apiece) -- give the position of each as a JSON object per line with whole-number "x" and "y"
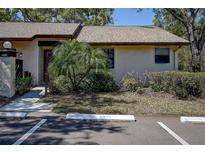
{"x": 161, "y": 55}
{"x": 110, "y": 54}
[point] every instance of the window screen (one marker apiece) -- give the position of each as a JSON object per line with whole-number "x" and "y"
{"x": 162, "y": 55}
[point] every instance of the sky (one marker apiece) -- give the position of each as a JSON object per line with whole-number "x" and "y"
{"x": 131, "y": 17}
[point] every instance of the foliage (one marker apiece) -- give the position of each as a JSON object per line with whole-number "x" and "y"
{"x": 101, "y": 82}
{"x": 183, "y": 84}
{"x": 166, "y": 21}
{"x": 8, "y": 15}
{"x": 189, "y": 23}
{"x": 86, "y": 16}
{"x": 75, "y": 60}
{"x": 130, "y": 82}
{"x": 59, "y": 85}
{"x": 184, "y": 59}
{"x": 23, "y": 84}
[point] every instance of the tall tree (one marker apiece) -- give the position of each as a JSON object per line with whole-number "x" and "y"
{"x": 86, "y": 16}
{"x": 8, "y": 15}
{"x": 189, "y": 23}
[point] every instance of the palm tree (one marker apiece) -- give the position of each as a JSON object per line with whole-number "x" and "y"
{"x": 75, "y": 60}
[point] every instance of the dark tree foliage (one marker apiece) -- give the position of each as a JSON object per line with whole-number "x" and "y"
{"x": 188, "y": 23}
{"x": 86, "y": 16}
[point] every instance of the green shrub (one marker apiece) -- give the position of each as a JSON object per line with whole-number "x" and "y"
{"x": 180, "y": 88}
{"x": 130, "y": 84}
{"x": 101, "y": 82}
{"x": 23, "y": 84}
{"x": 183, "y": 84}
{"x": 59, "y": 85}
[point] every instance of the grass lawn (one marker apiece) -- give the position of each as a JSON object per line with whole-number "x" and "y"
{"x": 149, "y": 103}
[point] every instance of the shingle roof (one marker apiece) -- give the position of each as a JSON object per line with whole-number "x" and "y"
{"x": 31, "y": 30}
{"x": 128, "y": 35}
{"x": 90, "y": 34}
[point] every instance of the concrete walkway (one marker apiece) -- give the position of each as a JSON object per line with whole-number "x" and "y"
{"x": 27, "y": 102}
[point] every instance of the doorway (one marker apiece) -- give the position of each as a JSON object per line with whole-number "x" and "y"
{"x": 47, "y": 57}
{"x": 19, "y": 68}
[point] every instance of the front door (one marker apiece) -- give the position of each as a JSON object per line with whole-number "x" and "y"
{"x": 47, "y": 57}
{"x": 19, "y": 68}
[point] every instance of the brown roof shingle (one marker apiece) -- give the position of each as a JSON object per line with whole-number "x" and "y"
{"x": 128, "y": 35}
{"x": 30, "y": 30}
{"x": 90, "y": 34}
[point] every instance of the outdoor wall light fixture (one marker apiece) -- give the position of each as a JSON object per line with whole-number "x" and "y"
{"x": 20, "y": 54}
{"x": 7, "y": 45}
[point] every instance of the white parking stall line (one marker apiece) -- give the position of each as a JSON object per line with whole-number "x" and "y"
{"x": 172, "y": 133}
{"x": 30, "y": 132}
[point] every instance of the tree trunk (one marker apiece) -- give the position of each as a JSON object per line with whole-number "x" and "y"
{"x": 195, "y": 51}
{"x": 196, "y": 59}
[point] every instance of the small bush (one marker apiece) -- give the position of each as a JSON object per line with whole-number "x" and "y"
{"x": 130, "y": 84}
{"x": 180, "y": 88}
{"x": 59, "y": 85}
{"x": 183, "y": 84}
{"x": 140, "y": 91}
{"x": 101, "y": 82}
{"x": 23, "y": 84}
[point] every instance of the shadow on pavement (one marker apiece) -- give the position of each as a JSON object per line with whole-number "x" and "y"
{"x": 55, "y": 132}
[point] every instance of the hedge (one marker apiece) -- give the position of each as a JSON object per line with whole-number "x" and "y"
{"x": 182, "y": 84}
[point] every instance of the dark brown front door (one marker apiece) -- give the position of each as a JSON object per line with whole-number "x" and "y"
{"x": 19, "y": 68}
{"x": 47, "y": 57}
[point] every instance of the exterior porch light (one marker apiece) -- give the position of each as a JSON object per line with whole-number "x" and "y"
{"x": 7, "y": 45}
{"x": 7, "y": 50}
{"x": 20, "y": 54}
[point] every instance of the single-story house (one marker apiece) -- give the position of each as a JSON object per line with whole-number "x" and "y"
{"x": 130, "y": 48}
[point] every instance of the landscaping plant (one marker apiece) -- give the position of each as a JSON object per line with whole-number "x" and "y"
{"x": 23, "y": 84}
{"x": 182, "y": 84}
{"x": 130, "y": 83}
{"x": 101, "y": 82}
{"x": 76, "y": 60}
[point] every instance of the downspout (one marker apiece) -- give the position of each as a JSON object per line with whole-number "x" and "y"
{"x": 178, "y": 47}
{"x": 174, "y": 60}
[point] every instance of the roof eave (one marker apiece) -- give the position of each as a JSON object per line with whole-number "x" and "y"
{"x": 34, "y": 37}
{"x": 139, "y": 43}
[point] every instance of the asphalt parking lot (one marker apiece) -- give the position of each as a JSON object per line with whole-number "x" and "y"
{"x": 58, "y": 131}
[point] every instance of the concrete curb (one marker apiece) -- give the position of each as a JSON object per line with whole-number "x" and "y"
{"x": 13, "y": 114}
{"x": 25, "y": 115}
{"x": 100, "y": 117}
{"x": 184, "y": 119}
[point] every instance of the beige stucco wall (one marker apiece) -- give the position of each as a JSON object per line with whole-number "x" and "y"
{"x": 139, "y": 60}
{"x": 32, "y": 57}
{"x": 127, "y": 59}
